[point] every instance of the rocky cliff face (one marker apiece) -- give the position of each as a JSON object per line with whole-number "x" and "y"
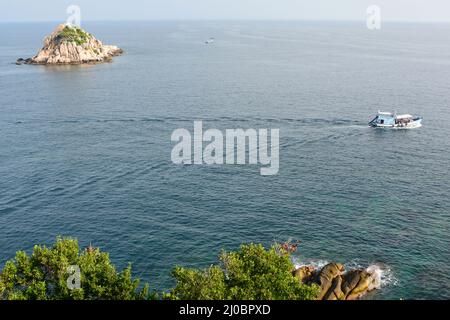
{"x": 72, "y": 45}
{"x": 336, "y": 284}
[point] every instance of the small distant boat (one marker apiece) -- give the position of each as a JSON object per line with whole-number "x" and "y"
{"x": 393, "y": 120}
{"x": 210, "y": 40}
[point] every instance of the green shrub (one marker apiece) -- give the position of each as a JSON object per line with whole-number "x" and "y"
{"x": 44, "y": 274}
{"x": 251, "y": 273}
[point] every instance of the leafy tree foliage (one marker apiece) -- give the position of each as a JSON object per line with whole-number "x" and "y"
{"x": 251, "y": 273}
{"x": 44, "y": 274}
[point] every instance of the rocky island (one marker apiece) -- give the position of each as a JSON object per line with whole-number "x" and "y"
{"x": 72, "y": 45}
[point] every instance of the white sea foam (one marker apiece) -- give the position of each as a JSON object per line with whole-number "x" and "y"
{"x": 385, "y": 275}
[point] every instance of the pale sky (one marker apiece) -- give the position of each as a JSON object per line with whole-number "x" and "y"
{"x": 391, "y": 10}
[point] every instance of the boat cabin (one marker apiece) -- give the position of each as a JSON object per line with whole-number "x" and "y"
{"x": 385, "y": 119}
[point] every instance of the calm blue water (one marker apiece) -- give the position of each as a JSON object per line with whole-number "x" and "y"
{"x": 85, "y": 151}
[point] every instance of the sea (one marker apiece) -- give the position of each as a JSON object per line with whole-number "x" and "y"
{"x": 85, "y": 151}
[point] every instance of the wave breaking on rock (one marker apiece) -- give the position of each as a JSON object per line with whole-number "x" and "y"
{"x": 337, "y": 283}
{"x": 72, "y": 45}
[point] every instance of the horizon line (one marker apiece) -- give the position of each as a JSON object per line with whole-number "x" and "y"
{"x": 228, "y": 20}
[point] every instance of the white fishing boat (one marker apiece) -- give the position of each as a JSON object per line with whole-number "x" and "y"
{"x": 394, "y": 120}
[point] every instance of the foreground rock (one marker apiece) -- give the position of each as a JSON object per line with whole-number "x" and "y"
{"x": 337, "y": 284}
{"x": 72, "y": 45}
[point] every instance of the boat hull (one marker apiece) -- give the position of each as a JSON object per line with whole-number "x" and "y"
{"x": 411, "y": 125}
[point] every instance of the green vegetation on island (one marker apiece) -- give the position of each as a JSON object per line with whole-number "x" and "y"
{"x": 74, "y": 34}
{"x": 252, "y": 272}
